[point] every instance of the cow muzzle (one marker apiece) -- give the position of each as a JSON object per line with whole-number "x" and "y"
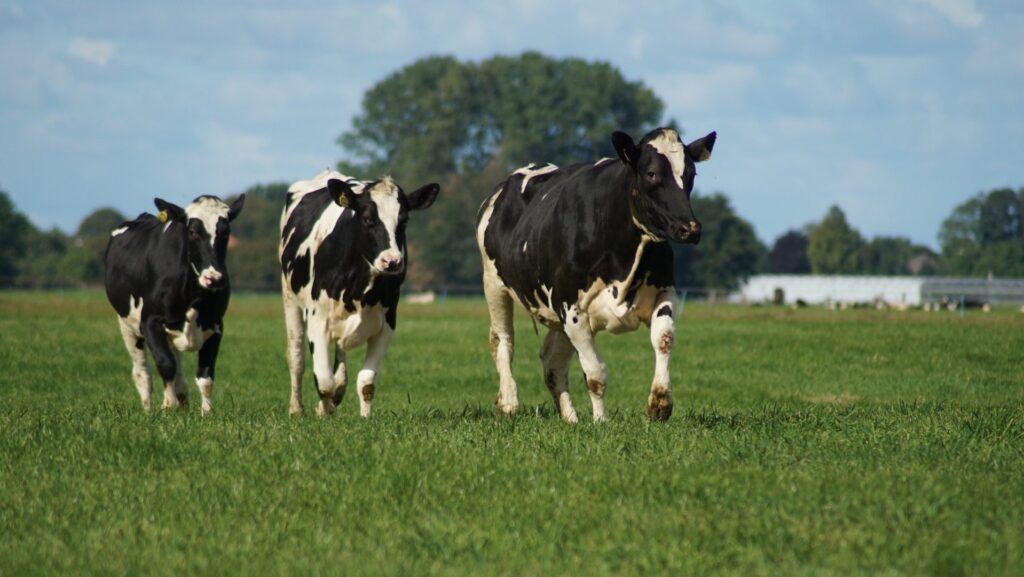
{"x": 689, "y": 233}
{"x": 209, "y": 278}
{"x": 389, "y": 262}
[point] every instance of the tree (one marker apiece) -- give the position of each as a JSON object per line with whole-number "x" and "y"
{"x": 728, "y": 252}
{"x": 887, "y": 255}
{"x": 466, "y": 125}
{"x": 984, "y": 235}
{"x": 14, "y": 231}
{"x": 789, "y": 254}
{"x": 833, "y": 246}
{"x": 83, "y": 261}
{"x": 252, "y": 249}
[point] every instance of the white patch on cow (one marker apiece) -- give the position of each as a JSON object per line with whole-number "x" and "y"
{"x": 209, "y": 211}
{"x": 529, "y": 172}
{"x": 524, "y": 245}
{"x": 205, "y": 386}
{"x": 385, "y": 195}
{"x": 602, "y": 161}
{"x": 131, "y": 334}
{"x": 190, "y": 337}
{"x": 118, "y": 231}
{"x": 667, "y": 144}
{"x": 168, "y": 225}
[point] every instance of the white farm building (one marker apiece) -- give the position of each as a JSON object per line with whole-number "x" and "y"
{"x": 892, "y": 290}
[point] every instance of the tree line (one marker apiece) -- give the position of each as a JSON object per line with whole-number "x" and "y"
{"x": 466, "y": 125}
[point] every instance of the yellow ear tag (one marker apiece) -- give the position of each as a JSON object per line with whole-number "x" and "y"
{"x": 704, "y": 155}
{"x": 343, "y": 200}
{"x": 162, "y": 216}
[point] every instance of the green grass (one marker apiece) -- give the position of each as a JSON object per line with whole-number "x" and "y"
{"x": 805, "y": 442}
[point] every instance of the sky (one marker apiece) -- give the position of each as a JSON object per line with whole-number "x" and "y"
{"x": 895, "y": 110}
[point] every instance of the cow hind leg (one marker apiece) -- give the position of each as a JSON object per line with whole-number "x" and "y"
{"x": 577, "y": 328}
{"x": 340, "y": 374}
{"x": 296, "y": 329}
{"x": 555, "y": 354}
{"x": 502, "y": 343}
{"x": 176, "y": 392}
{"x": 136, "y": 346}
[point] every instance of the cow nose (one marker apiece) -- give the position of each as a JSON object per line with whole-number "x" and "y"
{"x": 690, "y": 232}
{"x": 210, "y": 278}
{"x": 391, "y": 263}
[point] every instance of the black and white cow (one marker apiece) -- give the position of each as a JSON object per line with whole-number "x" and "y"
{"x": 165, "y": 277}
{"x": 343, "y": 261}
{"x": 583, "y": 249}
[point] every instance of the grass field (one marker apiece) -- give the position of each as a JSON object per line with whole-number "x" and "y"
{"x": 805, "y": 442}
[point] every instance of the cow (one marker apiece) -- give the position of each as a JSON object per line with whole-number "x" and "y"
{"x": 343, "y": 260}
{"x": 582, "y": 248}
{"x": 166, "y": 278}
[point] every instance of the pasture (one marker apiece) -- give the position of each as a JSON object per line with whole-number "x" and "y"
{"x": 803, "y": 442}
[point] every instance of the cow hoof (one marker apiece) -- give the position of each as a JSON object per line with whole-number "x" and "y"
{"x": 570, "y": 417}
{"x": 506, "y": 410}
{"x": 295, "y": 410}
{"x": 659, "y": 405}
{"x": 324, "y": 408}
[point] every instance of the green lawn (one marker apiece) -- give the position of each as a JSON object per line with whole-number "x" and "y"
{"x": 805, "y": 442}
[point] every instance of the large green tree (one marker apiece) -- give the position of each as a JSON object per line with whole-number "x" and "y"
{"x": 14, "y": 231}
{"x": 252, "y": 250}
{"x": 466, "y": 124}
{"x": 985, "y": 235}
{"x": 728, "y": 252}
{"x": 789, "y": 254}
{"x": 833, "y": 246}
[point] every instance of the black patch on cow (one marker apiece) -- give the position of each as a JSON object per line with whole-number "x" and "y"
{"x": 140, "y": 344}
{"x": 615, "y": 292}
{"x": 310, "y": 347}
{"x": 665, "y": 311}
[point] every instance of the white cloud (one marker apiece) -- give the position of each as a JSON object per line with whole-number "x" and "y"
{"x": 959, "y": 13}
{"x": 98, "y": 52}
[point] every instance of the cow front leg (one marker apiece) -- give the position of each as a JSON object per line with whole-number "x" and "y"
{"x": 136, "y": 346}
{"x": 555, "y": 354}
{"x": 502, "y": 343}
{"x": 340, "y": 374}
{"x": 207, "y": 367}
{"x": 577, "y": 328}
{"x": 663, "y": 335}
{"x": 164, "y": 357}
{"x": 366, "y": 384}
{"x": 295, "y": 327}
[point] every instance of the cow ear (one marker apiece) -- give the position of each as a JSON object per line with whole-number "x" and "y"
{"x": 236, "y": 207}
{"x": 168, "y": 211}
{"x": 424, "y": 196}
{"x": 625, "y": 148}
{"x": 341, "y": 192}
{"x": 700, "y": 149}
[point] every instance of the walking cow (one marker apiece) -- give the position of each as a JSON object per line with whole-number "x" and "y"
{"x": 343, "y": 261}
{"x": 583, "y": 249}
{"x": 166, "y": 278}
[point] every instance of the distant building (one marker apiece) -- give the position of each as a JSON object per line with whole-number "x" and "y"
{"x": 890, "y": 290}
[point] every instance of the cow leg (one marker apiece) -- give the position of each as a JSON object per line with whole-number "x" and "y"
{"x": 207, "y": 367}
{"x": 577, "y": 328}
{"x": 136, "y": 346}
{"x": 555, "y": 354}
{"x": 376, "y": 346}
{"x": 296, "y": 329}
{"x": 320, "y": 346}
{"x": 340, "y": 374}
{"x": 663, "y": 334}
{"x": 176, "y": 393}
{"x": 502, "y": 340}
{"x": 163, "y": 357}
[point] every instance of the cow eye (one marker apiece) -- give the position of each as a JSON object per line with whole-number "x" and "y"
{"x": 192, "y": 234}
{"x": 368, "y": 221}
{"x": 652, "y": 176}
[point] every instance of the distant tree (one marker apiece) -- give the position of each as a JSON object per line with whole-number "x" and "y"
{"x": 728, "y": 252}
{"x": 45, "y": 263}
{"x": 83, "y": 261}
{"x": 984, "y": 235}
{"x": 15, "y": 230}
{"x": 789, "y": 254}
{"x": 887, "y": 255}
{"x": 834, "y": 247}
{"x": 465, "y": 125}
{"x": 252, "y": 249}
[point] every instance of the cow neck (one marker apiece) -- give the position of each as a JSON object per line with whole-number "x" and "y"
{"x": 350, "y": 278}
{"x": 641, "y": 237}
{"x": 186, "y": 284}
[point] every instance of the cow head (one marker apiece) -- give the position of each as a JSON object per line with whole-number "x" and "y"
{"x": 207, "y": 228}
{"x": 663, "y": 169}
{"x": 381, "y": 211}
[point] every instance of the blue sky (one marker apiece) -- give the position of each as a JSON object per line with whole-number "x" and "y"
{"x": 897, "y": 110}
